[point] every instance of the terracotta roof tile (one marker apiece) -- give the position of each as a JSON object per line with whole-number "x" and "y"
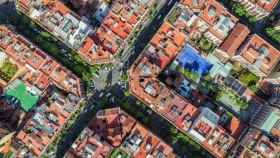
{"x": 235, "y": 39}
{"x": 60, "y": 7}
{"x": 251, "y": 51}
{"x": 235, "y": 127}
{"x": 267, "y": 5}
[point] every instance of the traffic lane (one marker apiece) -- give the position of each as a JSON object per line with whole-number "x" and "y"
{"x": 148, "y": 32}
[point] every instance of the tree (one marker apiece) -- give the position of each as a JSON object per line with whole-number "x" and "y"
{"x": 239, "y": 9}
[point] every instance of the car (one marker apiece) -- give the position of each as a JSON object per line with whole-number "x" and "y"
{"x": 101, "y": 95}
{"x": 108, "y": 95}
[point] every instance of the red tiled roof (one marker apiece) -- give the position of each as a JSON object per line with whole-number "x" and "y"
{"x": 267, "y": 5}
{"x": 250, "y": 52}
{"x": 151, "y": 141}
{"x": 275, "y": 132}
{"x": 24, "y": 2}
{"x": 60, "y": 7}
{"x": 189, "y": 110}
{"x": 113, "y": 124}
{"x": 100, "y": 149}
{"x": 86, "y": 46}
{"x": 194, "y": 5}
{"x": 42, "y": 81}
{"x": 19, "y": 50}
{"x": 235, "y": 127}
{"x": 219, "y": 9}
{"x": 163, "y": 61}
{"x": 235, "y": 39}
{"x": 133, "y": 19}
{"x": 167, "y": 42}
{"x": 179, "y": 39}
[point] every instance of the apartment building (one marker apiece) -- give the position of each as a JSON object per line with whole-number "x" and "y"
{"x": 256, "y": 144}
{"x": 258, "y": 8}
{"x": 258, "y": 56}
{"x": 118, "y": 26}
{"x": 266, "y": 119}
{"x": 142, "y": 143}
{"x": 113, "y": 125}
{"x": 168, "y": 44}
{"x": 231, "y": 44}
{"x": 59, "y": 20}
{"x": 45, "y": 123}
{"x": 209, "y": 19}
{"x": 94, "y": 44}
{"x": 180, "y": 112}
{"x": 39, "y": 70}
{"x": 40, "y": 93}
{"x": 274, "y": 95}
{"x": 114, "y": 131}
{"x": 89, "y": 145}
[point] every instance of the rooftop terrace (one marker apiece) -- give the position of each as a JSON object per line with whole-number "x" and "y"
{"x": 89, "y": 144}
{"x": 203, "y": 18}
{"x": 256, "y": 144}
{"x": 258, "y": 56}
{"x": 45, "y": 123}
{"x": 25, "y": 97}
{"x": 134, "y": 140}
{"x": 37, "y": 68}
{"x": 95, "y": 45}
{"x": 190, "y": 60}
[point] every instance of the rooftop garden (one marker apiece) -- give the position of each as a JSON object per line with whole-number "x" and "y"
{"x": 117, "y": 153}
{"x": 175, "y": 13}
{"x": 205, "y": 45}
{"x": 188, "y": 74}
{"x": 7, "y": 70}
{"x": 18, "y": 90}
{"x": 207, "y": 85}
{"x": 230, "y": 99}
{"x": 247, "y": 78}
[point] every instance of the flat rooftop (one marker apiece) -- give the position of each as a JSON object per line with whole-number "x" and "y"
{"x": 17, "y": 89}
{"x": 39, "y": 69}
{"x": 190, "y": 60}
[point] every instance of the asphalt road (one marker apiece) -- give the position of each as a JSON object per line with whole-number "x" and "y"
{"x": 131, "y": 53}
{"x": 7, "y": 8}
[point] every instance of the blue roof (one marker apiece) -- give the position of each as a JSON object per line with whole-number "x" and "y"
{"x": 190, "y": 60}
